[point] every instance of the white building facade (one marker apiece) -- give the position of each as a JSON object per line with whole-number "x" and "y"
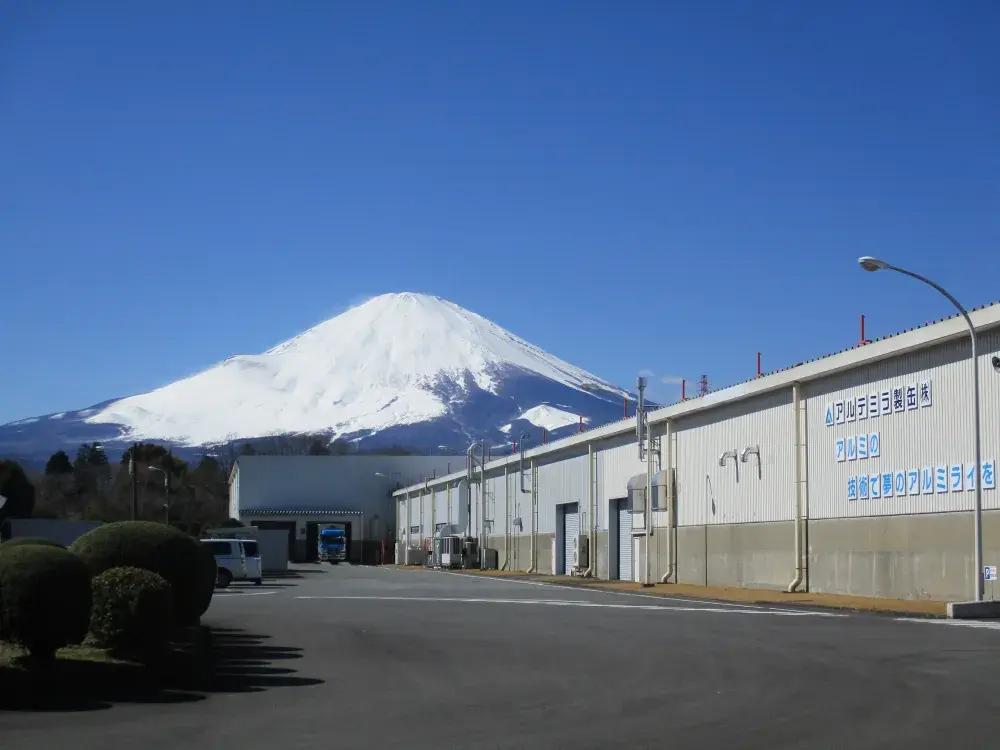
{"x": 299, "y": 494}
{"x": 850, "y": 474}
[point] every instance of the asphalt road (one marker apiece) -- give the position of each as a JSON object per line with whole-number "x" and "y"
{"x": 363, "y": 657}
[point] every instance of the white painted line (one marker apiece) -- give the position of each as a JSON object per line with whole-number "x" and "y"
{"x": 231, "y": 594}
{"x": 655, "y": 597}
{"x": 576, "y": 603}
{"x": 991, "y": 625}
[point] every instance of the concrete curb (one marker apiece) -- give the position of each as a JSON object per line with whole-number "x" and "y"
{"x": 758, "y": 597}
{"x": 973, "y": 610}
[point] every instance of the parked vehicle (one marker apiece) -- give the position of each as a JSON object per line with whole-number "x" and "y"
{"x": 331, "y": 546}
{"x": 255, "y": 564}
{"x": 238, "y": 560}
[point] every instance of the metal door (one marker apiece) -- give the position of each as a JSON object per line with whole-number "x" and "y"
{"x": 571, "y": 529}
{"x": 624, "y": 540}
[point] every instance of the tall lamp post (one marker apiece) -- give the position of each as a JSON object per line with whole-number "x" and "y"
{"x": 166, "y": 489}
{"x": 874, "y": 264}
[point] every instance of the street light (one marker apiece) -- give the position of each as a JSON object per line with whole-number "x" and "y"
{"x": 166, "y": 488}
{"x": 871, "y": 264}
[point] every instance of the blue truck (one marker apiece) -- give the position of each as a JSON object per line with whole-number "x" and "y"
{"x": 332, "y": 544}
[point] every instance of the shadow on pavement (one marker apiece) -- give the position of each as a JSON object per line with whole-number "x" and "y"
{"x": 215, "y": 660}
{"x": 297, "y": 573}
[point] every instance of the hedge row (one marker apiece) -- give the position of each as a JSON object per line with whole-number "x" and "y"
{"x": 128, "y": 585}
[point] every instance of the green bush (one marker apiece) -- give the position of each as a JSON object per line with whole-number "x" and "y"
{"x": 155, "y": 547}
{"x": 133, "y": 611}
{"x": 209, "y": 574}
{"x": 45, "y": 598}
{"x": 20, "y": 541}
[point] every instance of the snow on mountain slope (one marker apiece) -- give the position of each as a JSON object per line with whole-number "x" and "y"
{"x": 398, "y": 359}
{"x": 548, "y": 417}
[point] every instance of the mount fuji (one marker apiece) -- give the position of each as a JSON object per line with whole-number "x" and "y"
{"x": 405, "y": 369}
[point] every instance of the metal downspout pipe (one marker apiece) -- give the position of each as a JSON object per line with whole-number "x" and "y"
{"x": 666, "y": 441}
{"x": 506, "y": 525}
{"x": 534, "y": 497}
{"x": 420, "y": 511}
{"x": 433, "y": 528}
{"x": 592, "y": 505}
{"x": 409, "y": 512}
{"x": 647, "y": 574}
{"x": 800, "y": 568}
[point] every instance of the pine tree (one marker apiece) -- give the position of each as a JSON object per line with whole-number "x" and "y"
{"x": 58, "y": 464}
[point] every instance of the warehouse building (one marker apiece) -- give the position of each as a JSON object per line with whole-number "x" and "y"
{"x": 853, "y": 474}
{"x": 298, "y": 494}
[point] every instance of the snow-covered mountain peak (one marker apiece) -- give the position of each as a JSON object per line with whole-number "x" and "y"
{"x": 396, "y": 360}
{"x": 411, "y": 336}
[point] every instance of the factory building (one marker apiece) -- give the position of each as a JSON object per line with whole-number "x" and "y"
{"x": 299, "y": 494}
{"x": 853, "y": 474}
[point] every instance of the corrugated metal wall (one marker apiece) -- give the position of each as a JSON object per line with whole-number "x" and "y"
{"x": 711, "y": 494}
{"x": 915, "y": 440}
{"x": 440, "y": 507}
{"x": 329, "y": 482}
{"x": 617, "y": 462}
{"x": 563, "y": 481}
{"x": 234, "y": 495}
{"x": 413, "y": 501}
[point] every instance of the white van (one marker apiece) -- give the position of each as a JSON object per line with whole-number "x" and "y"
{"x": 238, "y": 560}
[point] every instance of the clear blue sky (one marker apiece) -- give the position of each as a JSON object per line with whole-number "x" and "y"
{"x": 663, "y": 185}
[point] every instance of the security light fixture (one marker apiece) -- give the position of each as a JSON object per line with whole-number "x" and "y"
{"x": 871, "y": 264}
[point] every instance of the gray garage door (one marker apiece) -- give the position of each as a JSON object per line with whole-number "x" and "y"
{"x": 624, "y": 541}
{"x": 571, "y": 528}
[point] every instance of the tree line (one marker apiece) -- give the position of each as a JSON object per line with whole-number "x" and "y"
{"x": 90, "y": 487}
{"x": 192, "y": 495}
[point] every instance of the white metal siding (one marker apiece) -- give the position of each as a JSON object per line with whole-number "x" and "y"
{"x": 234, "y": 495}
{"x": 329, "y": 482}
{"x": 560, "y": 482}
{"x": 624, "y": 541}
{"x": 711, "y": 494}
{"x": 617, "y": 462}
{"x": 440, "y": 507}
{"x": 414, "y": 514}
{"x": 939, "y": 435}
{"x": 571, "y": 529}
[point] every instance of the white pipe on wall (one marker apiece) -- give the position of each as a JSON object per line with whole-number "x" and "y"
{"x": 647, "y": 573}
{"x": 506, "y": 525}
{"x": 592, "y": 506}
{"x": 534, "y": 498}
{"x": 666, "y": 441}
{"x": 799, "y": 561}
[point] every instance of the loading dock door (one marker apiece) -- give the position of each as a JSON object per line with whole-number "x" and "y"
{"x": 624, "y": 540}
{"x": 571, "y": 529}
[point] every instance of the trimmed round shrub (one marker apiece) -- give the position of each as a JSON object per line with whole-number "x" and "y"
{"x": 155, "y": 547}
{"x": 45, "y": 598}
{"x": 20, "y": 541}
{"x": 133, "y": 611}
{"x": 209, "y": 574}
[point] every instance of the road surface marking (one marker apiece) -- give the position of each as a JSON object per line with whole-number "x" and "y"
{"x": 991, "y": 625}
{"x": 228, "y": 594}
{"x": 655, "y": 597}
{"x": 579, "y": 603}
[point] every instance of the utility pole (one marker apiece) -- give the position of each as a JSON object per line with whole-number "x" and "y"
{"x": 703, "y": 387}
